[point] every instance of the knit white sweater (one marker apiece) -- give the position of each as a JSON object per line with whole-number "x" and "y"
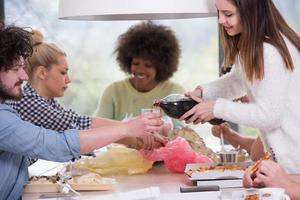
{"x": 274, "y": 106}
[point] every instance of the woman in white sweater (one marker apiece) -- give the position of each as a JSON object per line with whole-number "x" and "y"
{"x": 264, "y": 53}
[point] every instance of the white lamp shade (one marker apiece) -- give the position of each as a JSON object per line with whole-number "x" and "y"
{"x": 135, "y": 9}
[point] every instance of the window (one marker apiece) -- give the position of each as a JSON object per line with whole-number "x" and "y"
{"x": 89, "y": 47}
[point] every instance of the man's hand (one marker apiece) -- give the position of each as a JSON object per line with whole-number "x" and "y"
{"x": 143, "y": 125}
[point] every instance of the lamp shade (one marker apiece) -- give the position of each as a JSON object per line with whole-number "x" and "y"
{"x": 135, "y": 9}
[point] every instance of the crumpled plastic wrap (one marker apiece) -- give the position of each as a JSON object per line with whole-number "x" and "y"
{"x": 176, "y": 154}
{"x": 117, "y": 160}
{"x": 196, "y": 142}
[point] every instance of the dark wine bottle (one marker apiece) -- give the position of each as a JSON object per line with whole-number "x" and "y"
{"x": 175, "y": 105}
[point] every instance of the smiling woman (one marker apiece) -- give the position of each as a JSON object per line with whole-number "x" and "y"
{"x": 143, "y": 75}
{"x": 229, "y": 17}
{"x": 150, "y": 54}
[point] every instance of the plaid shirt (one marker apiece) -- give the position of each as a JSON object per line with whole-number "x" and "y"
{"x": 48, "y": 114}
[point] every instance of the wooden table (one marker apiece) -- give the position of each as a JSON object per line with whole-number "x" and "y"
{"x": 168, "y": 183}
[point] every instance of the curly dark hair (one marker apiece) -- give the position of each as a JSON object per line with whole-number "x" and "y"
{"x": 15, "y": 42}
{"x": 149, "y": 41}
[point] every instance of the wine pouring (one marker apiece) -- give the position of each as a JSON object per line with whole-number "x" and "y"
{"x": 175, "y": 105}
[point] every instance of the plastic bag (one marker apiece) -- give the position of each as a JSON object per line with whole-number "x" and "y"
{"x": 117, "y": 160}
{"x": 176, "y": 154}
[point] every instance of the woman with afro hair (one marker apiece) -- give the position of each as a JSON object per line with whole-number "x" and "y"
{"x": 149, "y": 53}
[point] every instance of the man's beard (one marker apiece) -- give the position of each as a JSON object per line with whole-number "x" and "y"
{"x": 5, "y": 94}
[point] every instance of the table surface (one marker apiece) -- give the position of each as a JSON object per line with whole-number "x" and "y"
{"x": 168, "y": 183}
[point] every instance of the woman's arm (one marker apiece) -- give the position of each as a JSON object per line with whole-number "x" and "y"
{"x": 253, "y": 146}
{"x": 257, "y": 149}
{"x": 229, "y": 86}
{"x": 232, "y": 137}
{"x": 267, "y": 108}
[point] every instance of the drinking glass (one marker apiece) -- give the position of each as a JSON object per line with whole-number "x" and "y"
{"x": 147, "y": 110}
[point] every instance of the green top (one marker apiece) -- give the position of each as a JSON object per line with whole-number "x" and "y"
{"x": 120, "y": 99}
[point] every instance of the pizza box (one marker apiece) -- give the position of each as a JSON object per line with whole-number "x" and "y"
{"x": 216, "y": 171}
{"x": 42, "y": 188}
{"x": 104, "y": 184}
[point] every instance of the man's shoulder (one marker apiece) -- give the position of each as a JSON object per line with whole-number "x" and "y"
{"x": 4, "y": 108}
{"x": 7, "y": 113}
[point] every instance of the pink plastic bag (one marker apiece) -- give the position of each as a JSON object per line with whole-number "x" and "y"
{"x": 176, "y": 154}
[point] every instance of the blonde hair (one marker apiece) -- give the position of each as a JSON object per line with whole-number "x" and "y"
{"x": 44, "y": 54}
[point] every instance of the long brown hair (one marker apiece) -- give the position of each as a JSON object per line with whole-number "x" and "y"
{"x": 261, "y": 22}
